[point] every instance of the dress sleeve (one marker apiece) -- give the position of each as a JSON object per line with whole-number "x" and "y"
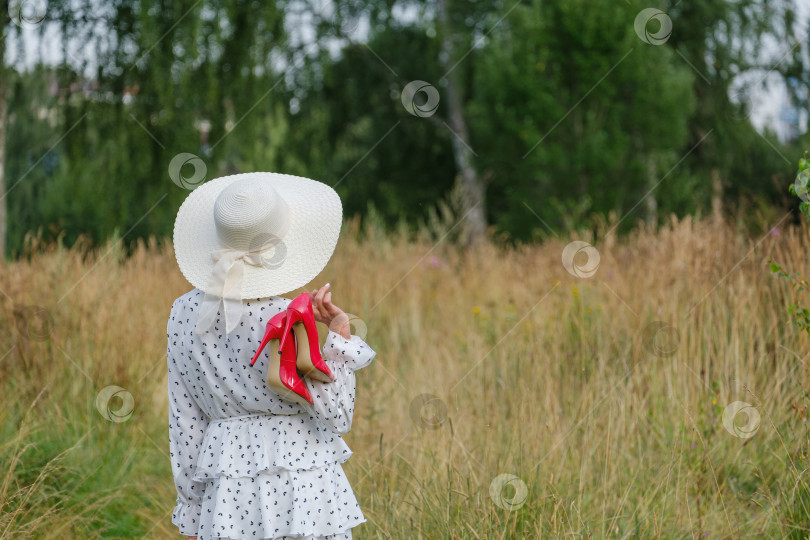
{"x": 334, "y": 402}
{"x": 187, "y": 424}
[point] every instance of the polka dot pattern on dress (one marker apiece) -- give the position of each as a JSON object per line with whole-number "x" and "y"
{"x": 246, "y": 462}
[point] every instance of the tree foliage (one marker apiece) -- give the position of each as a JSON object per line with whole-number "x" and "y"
{"x": 570, "y": 112}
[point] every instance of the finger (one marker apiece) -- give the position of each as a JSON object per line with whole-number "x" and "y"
{"x": 317, "y": 307}
{"x": 331, "y": 308}
{"x": 317, "y": 303}
{"x": 323, "y": 290}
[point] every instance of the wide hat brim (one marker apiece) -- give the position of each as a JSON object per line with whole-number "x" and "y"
{"x": 315, "y": 218}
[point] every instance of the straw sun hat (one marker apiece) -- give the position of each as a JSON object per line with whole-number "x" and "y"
{"x": 254, "y": 235}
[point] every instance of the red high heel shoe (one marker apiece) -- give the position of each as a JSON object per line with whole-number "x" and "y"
{"x": 302, "y": 322}
{"x": 282, "y": 375}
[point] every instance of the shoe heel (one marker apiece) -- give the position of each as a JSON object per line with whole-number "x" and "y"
{"x": 290, "y": 318}
{"x": 283, "y": 378}
{"x": 272, "y": 329}
{"x": 304, "y": 357}
{"x": 311, "y": 363}
{"x": 264, "y": 342}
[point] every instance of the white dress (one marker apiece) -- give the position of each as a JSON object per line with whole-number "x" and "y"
{"x": 247, "y": 463}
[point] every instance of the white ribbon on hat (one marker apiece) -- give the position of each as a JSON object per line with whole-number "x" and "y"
{"x": 225, "y": 284}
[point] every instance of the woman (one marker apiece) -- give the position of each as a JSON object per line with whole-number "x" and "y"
{"x": 247, "y": 462}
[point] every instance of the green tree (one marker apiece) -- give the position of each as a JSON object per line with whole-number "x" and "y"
{"x": 179, "y": 77}
{"x": 587, "y": 115}
{"x": 353, "y": 105}
{"x": 549, "y": 109}
{"x": 723, "y": 41}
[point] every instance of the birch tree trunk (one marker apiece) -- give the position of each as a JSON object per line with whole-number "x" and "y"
{"x": 651, "y": 204}
{"x": 472, "y": 188}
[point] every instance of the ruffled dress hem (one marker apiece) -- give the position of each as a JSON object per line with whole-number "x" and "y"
{"x": 276, "y": 475}
{"x": 244, "y": 446}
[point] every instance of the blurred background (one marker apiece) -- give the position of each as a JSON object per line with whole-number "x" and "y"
{"x": 569, "y": 236}
{"x": 529, "y": 118}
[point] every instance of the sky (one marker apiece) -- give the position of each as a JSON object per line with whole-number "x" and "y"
{"x": 768, "y": 105}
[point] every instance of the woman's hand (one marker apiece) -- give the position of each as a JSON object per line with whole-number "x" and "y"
{"x": 328, "y": 313}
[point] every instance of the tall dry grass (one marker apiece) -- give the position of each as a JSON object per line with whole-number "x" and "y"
{"x": 492, "y": 361}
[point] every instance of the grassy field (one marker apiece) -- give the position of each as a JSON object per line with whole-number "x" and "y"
{"x": 603, "y": 397}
